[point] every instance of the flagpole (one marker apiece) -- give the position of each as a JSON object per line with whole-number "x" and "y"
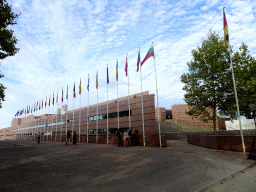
{"x": 143, "y": 126}
{"x": 48, "y": 119}
{"x": 128, "y": 95}
{"x": 117, "y": 100}
{"x": 52, "y": 114}
{"x": 61, "y": 116}
{"x": 67, "y": 116}
{"x": 107, "y": 101}
{"x": 80, "y": 91}
{"x": 45, "y": 115}
{"x": 73, "y": 114}
{"x": 56, "y": 116}
{"x": 234, "y": 83}
{"x": 88, "y": 109}
{"x": 237, "y": 105}
{"x": 97, "y": 112}
{"x": 158, "y": 121}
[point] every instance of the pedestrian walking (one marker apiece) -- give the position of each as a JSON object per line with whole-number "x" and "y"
{"x": 126, "y": 138}
{"x": 74, "y": 138}
{"x": 38, "y": 138}
{"x": 68, "y": 137}
{"x": 130, "y": 137}
{"x": 136, "y": 137}
{"x": 119, "y": 137}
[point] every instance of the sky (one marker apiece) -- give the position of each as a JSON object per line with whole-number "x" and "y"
{"x": 62, "y": 41}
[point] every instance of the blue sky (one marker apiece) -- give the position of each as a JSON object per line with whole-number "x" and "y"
{"x": 62, "y": 41}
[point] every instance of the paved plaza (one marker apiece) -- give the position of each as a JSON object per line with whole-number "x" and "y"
{"x": 54, "y": 166}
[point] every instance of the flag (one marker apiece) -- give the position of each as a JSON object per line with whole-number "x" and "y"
{"x": 49, "y": 99}
{"x": 138, "y": 62}
{"x": 45, "y": 102}
{"x": 35, "y": 107}
{"x": 126, "y": 67}
{"x": 225, "y": 27}
{"x": 107, "y": 76}
{"x": 25, "y": 112}
{"x": 62, "y": 95}
{"x": 117, "y": 70}
{"x": 74, "y": 90}
{"x": 29, "y": 109}
{"x": 53, "y": 99}
{"x": 88, "y": 82}
{"x": 67, "y": 93}
{"x": 42, "y": 103}
{"x": 57, "y": 97}
{"x": 80, "y": 88}
{"x": 150, "y": 53}
{"x": 97, "y": 80}
{"x": 39, "y": 106}
{"x": 32, "y": 109}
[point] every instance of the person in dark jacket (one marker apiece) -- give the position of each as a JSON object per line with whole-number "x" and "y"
{"x": 68, "y": 137}
{"x": 136, "y": 137}
{"x": 74, "y": 138}
{"x": 119, "y": 137}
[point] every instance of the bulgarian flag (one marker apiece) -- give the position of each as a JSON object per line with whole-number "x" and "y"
{"x": 149, "y": 54}
{"x": 225, "y": 26}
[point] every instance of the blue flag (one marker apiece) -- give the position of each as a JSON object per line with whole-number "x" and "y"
{"x": 107, "y": 76}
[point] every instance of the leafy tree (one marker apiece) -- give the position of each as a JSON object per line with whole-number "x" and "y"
{"x": 206, "y": 83}
{"x": 245, "y": 78}
{"x": 7, "y": 39}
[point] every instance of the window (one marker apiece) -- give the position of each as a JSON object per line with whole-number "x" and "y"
{"x": 91, "y": 131}
{"x": 104, "y": 131}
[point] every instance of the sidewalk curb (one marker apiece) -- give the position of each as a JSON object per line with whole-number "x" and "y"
{"x": 229, "y": 177}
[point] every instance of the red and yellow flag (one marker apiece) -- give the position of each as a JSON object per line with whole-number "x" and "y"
{"x": 225, "y": 26}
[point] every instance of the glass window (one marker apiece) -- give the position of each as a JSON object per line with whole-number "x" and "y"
{"x": 91, "y": 131}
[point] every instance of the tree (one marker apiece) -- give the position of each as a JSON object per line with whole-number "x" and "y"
{"x": 7, "y": 39}
{"x": 244, "y": 70}
{"x": 207, "y": 80}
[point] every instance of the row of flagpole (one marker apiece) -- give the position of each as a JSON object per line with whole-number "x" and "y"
{"x": 139, "y": 65}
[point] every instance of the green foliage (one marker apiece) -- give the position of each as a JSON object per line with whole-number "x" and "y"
{"x": 7, "y": 40}
{"x": 206, "y": 82}
{"x": 2, "y": 95}
{"x": 209, "y": 85}
{"x": 245, "y": 78}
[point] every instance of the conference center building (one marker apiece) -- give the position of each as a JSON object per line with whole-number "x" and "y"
{"x": 94, "y": 126}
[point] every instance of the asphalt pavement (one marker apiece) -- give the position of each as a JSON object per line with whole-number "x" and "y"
{"x": 53, "y": 166}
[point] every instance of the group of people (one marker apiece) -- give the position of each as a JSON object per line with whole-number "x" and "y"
{"x": 128, "y": 138}
{"x": 69, "y": 137}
